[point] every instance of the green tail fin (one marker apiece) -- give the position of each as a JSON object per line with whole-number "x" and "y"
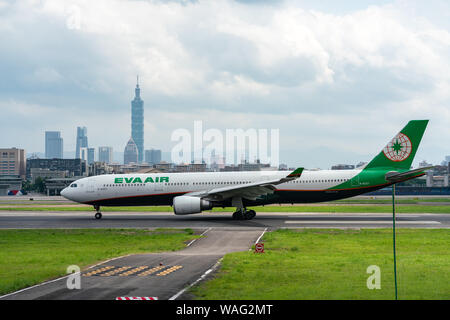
{"x": 400, "y": 151}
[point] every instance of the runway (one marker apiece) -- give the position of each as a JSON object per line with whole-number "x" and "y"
{"x": 272, "y": 220}
{"x": 160, "y": 276}
{"x": 167, "y": 275}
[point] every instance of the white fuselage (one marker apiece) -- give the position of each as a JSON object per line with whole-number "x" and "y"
{"x": 127, "y": 187}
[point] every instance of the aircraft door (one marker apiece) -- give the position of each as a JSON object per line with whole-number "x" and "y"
{"x": 159, "y": 186}
{"x": 91, "y": 191}
{"x": 149, "y": 187}
{"x": 90, "y": 186}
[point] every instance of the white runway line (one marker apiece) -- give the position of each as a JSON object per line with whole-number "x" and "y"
{"x": 357, "y": 222}
{"x": 198, "y": 238}
{"x": 174, "y": 297}
{"x": 257, "y": 240}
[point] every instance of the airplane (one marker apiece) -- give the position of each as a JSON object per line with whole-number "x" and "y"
{"x": 190, "y": 193}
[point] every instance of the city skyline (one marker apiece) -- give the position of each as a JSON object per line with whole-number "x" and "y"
{"x": 337, "y": 80}
{"x": 54, "y": 141}
{"x": 131, "y": 154}
{"x": 89, "y": 153}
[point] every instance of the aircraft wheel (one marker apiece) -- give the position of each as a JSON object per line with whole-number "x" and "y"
{"x": 98, "y": 215}
{"x": 238, "y": 215}
{"x": 244, "y": 215}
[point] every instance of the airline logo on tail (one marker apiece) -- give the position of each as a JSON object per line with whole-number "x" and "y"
{"x": 399, "y": 148}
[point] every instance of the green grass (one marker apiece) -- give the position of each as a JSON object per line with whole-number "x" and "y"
{"x": 361, "y": 208}
{"x": 388, "y": 201}
{"x": 332, "y": 264}
{"x": 303, "y": 208}
{"x": 28, "y": 257}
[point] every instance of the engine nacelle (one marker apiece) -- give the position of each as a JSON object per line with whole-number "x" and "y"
{"x": 190, "y": 205}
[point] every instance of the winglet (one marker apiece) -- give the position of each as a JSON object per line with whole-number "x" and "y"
{"x": 296, "y": 173}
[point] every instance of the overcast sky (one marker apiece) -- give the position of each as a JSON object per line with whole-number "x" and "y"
{"x": 338, "y": 80}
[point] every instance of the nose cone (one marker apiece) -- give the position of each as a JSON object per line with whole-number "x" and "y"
{"x": 64, "y": 193}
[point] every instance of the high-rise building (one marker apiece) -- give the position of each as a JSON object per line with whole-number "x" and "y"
{"x": 83, "y": 154}
{"x": 153, "y": 156}
{"x": 53, "y": 145}
{"x": 105, "y": 154}
{"x": 13, "y": 162}
{"x": 131, "y": 152}
{"x": 90, "y": 155}
{"x": 137, "y": 122}
{"x": 82, "y": 141}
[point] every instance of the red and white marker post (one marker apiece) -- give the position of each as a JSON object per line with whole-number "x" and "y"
{"x": 259, "y": 247}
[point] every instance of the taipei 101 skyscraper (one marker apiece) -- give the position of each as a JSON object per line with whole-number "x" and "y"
{"x": 137, "y": 121}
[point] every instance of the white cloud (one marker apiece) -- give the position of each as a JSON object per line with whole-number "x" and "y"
{"x": 323, "y": 77}
{"x": 46, "y": 75}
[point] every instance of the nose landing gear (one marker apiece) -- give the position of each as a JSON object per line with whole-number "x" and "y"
{"x": 98, "y": 214}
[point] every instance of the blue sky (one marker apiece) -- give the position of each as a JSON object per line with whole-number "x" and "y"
{"x": 338, "y": 78}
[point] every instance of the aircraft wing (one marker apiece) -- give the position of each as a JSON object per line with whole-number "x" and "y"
{"x": 249, "y": 191}
{"x": 399, "y": 176}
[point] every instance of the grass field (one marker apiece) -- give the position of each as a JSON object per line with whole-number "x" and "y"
{"x": 332, "y": 264}
{"x": 28, "y": 257}
{"x": 388, "y": 201}
{"x": 294, "y": 208}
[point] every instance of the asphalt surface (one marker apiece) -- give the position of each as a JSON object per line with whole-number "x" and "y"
{"x": 160, "y": 276}
{"x": 272, "y": 220}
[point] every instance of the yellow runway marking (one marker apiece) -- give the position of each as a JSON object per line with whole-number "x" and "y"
{"x": 170, "y": 270}
{"x": 98, "y": 271}
{"x": 133, "y": 271}
{"x": 113, "y": 272}
{"x": 150, "y": 271}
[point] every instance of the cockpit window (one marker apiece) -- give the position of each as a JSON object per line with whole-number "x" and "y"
{"x": 73, "y": 185}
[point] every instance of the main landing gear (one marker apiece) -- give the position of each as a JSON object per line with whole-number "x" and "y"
{"x": 244, "y": 214}
{"x": 241, "y": 212}
{"x": 98, "y": 214}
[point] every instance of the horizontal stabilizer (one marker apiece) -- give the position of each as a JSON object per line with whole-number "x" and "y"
{"x": 394, "y": 176}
